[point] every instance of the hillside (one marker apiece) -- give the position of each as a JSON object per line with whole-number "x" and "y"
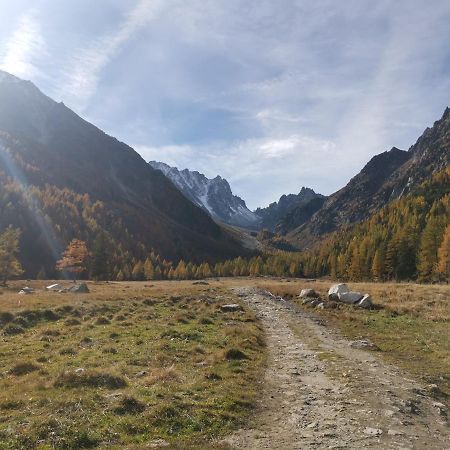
{"x": 386, "y": 177}
{"x": 61, "y": 177}
{"x": 212, "y": 195}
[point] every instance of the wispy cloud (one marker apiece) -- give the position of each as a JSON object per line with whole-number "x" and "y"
{"x": 82, "y": 76}
{"x": 24, "y": 48}
{"x": 261, "y": 169}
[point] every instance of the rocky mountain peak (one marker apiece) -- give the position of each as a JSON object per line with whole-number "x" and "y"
{"x": 212, "y": 195}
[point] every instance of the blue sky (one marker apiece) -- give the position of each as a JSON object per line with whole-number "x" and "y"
{"x": 271, "y": 94}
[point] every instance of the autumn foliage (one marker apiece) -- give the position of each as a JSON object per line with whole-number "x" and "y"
{"x": 74, "y": 258}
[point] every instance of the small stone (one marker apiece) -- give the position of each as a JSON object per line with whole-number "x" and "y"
{"x": 308, "y": 293}
{"x": 373, "y": 431}
{"x": 395, "y": 433}
{"x": 231, "y": 308}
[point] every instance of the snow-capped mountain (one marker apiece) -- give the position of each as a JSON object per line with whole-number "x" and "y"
{"x": 212, "y": 195}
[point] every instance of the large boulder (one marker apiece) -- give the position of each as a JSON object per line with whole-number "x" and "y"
{"x": 336, "y": 289}
{"x": 308, "y": 293}
{"x": 80, "y": 288}
{"x": 350, "y": 297}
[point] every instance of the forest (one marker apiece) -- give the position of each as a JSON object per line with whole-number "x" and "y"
{"x": 409, "y": 239}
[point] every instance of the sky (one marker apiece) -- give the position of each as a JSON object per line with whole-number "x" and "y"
{"x": 272, "y": 95}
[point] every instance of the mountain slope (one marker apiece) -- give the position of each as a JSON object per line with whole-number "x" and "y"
{"x": 386, "y": 177}
{"x": 212, "y": 195}
{"x": 45, "y": 144}
{"x": 276, "y": 211}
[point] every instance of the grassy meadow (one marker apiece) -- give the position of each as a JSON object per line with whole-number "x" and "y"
{"x": 126, "y": 365}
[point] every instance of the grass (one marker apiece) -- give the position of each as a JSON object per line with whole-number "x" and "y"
{"x": 125, "y": 365}
{"x": 411, "y": 327}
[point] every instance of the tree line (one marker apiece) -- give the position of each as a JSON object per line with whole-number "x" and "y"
{"x": 409, "y": 239}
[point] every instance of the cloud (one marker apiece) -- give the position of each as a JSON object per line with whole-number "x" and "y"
{"x": 24, "y": 48}
{"x": 260, "y": 170}
{"x": 82, "y": 77}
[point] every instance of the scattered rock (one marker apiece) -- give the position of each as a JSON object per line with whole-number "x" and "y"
{"x": 363, "y": 344}
{"x": 158, "y": 443}
{"x": 336, "y": 289}
{"x": 231, "y": 308}
{"x": 441, "y": 408}
{"x": 141, "y": 374}
{"x": 308, "y": 293}
{"x": 54, "y": 287}
{"x": 395, "y": 433}
{"x": 373, "y": 431}
{"x": 365, "y": 302}
{"x": 26, "y": 290}
{"x": 80, "y": 288}
{"x": 350, "y": 297}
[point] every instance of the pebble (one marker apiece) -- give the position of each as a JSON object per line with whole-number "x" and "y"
{"x": 373, "y": 431}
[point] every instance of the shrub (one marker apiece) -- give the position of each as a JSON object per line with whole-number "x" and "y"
{"x": 129, "y": 405}
{"x": 13, "y": 329}
{"x": 92, "y": 379}
{"x": 235, "y": 354}
{"x": 23, "y": 368}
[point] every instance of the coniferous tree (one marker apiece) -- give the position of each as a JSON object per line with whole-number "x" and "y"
{"x": 9, "y": 248}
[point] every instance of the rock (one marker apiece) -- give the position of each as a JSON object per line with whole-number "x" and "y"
{"x": 365, "y": 302}
{"x": 395, "y": 433}
{"x": 320, "y": 306}
{"x": 308, "y": 293}
{"x": 350, "y": 297}
{"x": 363, "y": 344}
{"x": 315, "y": 302}
{"x": 26, "y": 291}
{"x": 204, "y": 283}
{"x": 80, "y": 288}
{"x": 373, "y": 431}
{"x": 231, "y": 308}
{"x": 336, "y": 289}
{"x": 54, "y": 287}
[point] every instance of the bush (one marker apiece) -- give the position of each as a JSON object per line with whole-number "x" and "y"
{"x": 235, "y": 354}
{"x": 13, "y": 329}
{"x": 90, "y": 379}
{"x": 23, "y": 368}
{"x": 129, "y": 405}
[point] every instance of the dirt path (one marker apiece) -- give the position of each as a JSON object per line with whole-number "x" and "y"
{"x": 319, "y": 392}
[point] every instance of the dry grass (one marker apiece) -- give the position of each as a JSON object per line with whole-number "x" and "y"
{"x": 411, "y": 325}
{"x": 124, "y": 365}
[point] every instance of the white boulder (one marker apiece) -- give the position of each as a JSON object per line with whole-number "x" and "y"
{"x": 336, "y": 289}
{"x": 350, "y": 297}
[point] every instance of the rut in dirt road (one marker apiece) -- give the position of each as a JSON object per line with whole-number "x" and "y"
{"x": 318, "y": 392}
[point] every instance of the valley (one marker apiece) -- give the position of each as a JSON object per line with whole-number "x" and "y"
{"x": 162, "y": 365}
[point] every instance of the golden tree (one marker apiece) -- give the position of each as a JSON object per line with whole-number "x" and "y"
{"x": 74, "y": 258}
{"x": 9, "y": 248}
{"x": 443, "y": 264}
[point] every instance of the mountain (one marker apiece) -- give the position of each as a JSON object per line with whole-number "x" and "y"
{"x": 212, "y": 195}
{"x": 387, "y": 176}
{"x": 61, "y": 177}
{"x": 276, "y": 211}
